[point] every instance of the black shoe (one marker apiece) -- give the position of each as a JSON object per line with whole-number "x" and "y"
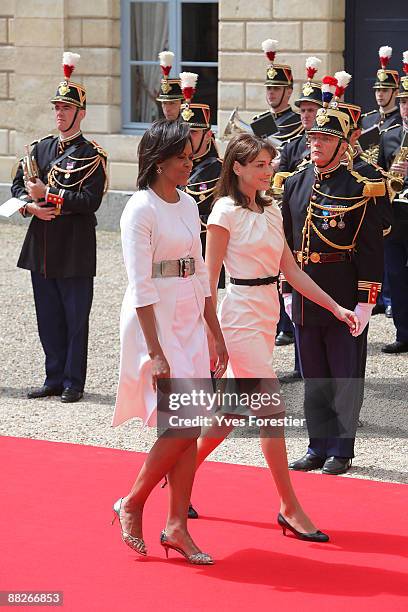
{"x": 284, "y": 338}
{"x": 44, "y": 391}
{"x": 315, "y": 536}
{"x": 378, "y": 309}
{"x": 388, "y": 312}
{"x": 396, "y": 347}
{"x": 291, "y": 377}
{"x": 336, "y": 465}
{"x": 192, "y": 513}
{"x": 71, "y": 395}
{"x": 307, "y": 462}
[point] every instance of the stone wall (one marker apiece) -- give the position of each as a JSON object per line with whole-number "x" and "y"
{"x": 34, "y": 33}
{"x": 302, "y": 27}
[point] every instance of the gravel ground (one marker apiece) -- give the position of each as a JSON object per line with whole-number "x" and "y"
{"x": 381, "y": 443}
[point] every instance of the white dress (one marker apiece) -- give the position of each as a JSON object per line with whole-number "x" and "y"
{"x": 152, "y": 231}
{"x": 249, "y": 314}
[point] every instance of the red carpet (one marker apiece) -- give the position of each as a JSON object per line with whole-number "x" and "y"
{"x": 56, "y": 509}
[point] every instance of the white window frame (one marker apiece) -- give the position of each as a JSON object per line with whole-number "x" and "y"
{"x": 175, "y": 42}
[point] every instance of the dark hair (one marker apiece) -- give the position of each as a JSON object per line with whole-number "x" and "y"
{"x": 243, "y": 148}
{"x": 164, "y": 139}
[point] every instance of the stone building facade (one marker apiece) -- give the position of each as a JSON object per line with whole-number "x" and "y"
{"x": 33, "y": 34}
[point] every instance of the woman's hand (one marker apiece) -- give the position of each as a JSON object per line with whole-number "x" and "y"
{"x": 160, "y": 369}
{"x": 219, "y": 358}
{"x": 349, "y": 317}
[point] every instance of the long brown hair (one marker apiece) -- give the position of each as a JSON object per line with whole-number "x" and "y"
{"x": 243, "y": 148}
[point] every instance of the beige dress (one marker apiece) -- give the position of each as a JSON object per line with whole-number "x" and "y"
{"x": 249, "y": 314}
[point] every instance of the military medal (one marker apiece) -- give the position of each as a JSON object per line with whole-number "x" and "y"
{"x": 69, "y": 168}
{"x": 202, "y": 187}
{"x": 332, "y": 222}
{"x": 341, "y": 224}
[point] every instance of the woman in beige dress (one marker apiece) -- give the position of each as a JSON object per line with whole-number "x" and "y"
{"x": 245, "y": 232}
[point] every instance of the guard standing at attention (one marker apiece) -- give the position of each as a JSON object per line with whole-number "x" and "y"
{"x": 170, "y": 94}
{"x": 206, "y": 162}
{"x": 333, "y": 227}
{"x": 61, "y": 182}
{"x": 386, "y": 90}
{"x": 393, "y": 158}
{"x": 279, "y": 88}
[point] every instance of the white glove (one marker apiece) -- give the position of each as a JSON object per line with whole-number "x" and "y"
{"x": 287, "y": 300}
{"x": 363, "y": 313}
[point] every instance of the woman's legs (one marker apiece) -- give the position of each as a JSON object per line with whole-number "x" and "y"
{"x": 274, "y": 449}
{"x": 209, "y": 440}
{"x": 166, "y": 452}
{"x": 180, "y": 479}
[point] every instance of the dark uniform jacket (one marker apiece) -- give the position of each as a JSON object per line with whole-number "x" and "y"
{"x": 66, "y": 246}
{"x": 293, "y": 153}
{"x": 288, "y": 123}
{"x": 383, "y": 120}
{"x": 358, "y": 278}
{"x": 390, "y": 144}
{"x": 384, "y": 205}
{"x": 201, "y": 186}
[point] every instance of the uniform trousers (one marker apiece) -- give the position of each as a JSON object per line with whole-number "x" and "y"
{"x": 333, "y": 366}
{"x": 63, "y": 306}
{"x": 396, "y": 257}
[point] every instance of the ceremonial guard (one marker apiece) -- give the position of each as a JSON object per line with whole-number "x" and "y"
{"x": 296, "y": 150}
{"x": 393, "y": 157}
{"x": 279, "y": 88}
{"x": 170, "y": 94}
{"x": 356, "y": 161}
{"x": 385, "y": 89}
{"x": 61, "y": 182}
{"x": 206, "y": 163}
{"x": 332, "y": 225}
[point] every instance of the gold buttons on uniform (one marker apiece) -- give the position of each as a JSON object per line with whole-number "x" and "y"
{"x": 314, "y": 257}
{"x": 317, "y": 185}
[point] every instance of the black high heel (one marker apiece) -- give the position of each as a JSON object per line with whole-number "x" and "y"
{"x": 315, "y": 536}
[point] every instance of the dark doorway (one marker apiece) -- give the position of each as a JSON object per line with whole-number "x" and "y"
{"x": 371, "y": 24}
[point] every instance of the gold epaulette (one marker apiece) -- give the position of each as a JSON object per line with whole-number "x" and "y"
{"x": 98, "y": 148}
{"x": 369, "y": 113}
{"x": 280, "y": 178}
{"x": 373, "y": 188}
{"x": 40, "y": 139}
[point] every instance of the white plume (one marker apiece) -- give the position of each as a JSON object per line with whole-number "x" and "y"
{"x": 269, "y": 45}
{"x": 385, "y": 51}
{"x": 166, "y": 58}
{"x": 70, "y": 59}
{"x": 405, "y": 57}
{"x": 313, "y": 62}
{"x": 343, "y": 78}
{"x": 188, "y": 79}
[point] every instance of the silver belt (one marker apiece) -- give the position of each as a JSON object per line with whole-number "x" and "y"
{"x": 174, "y": 267}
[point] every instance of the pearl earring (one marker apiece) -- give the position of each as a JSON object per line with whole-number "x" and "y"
{"x": 159, "y": 170}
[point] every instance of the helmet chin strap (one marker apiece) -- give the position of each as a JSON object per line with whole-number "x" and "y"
{"x": 280, "y": 101}
{"x": 333, "y": 156}
{"x": 72, "y": 122}
{"x": 201, "y": 142}
{"x": 389, "y": 99}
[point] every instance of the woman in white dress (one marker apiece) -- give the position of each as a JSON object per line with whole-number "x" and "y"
{"x": 245, "y": 233}
{"x": 162, "y": 328}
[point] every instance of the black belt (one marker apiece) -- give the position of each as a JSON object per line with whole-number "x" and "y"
{"x": 269, "y": 280}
